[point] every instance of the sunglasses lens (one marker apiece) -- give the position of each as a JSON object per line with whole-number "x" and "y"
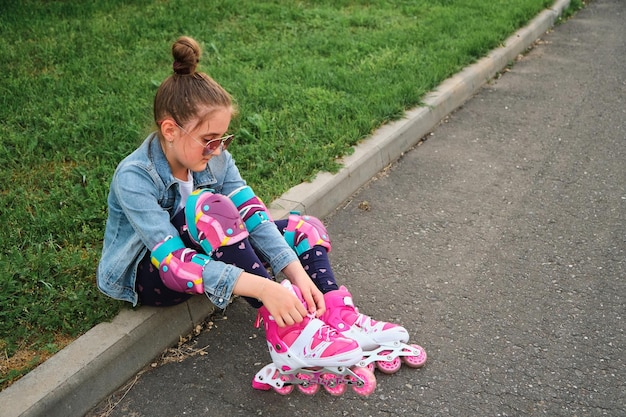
{"x": 211, "y": 147}
{"x": 216, "y": 143}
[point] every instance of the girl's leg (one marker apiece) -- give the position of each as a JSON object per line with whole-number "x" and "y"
{"x": 150, "y": 287}
{"x": 316, "y": 263}
{"x": 242, "y": 255}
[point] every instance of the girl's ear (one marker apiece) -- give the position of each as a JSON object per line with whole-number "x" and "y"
{"x": 169, "y": 129}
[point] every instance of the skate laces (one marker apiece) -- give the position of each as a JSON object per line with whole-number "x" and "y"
{"x": 326, "y": 333}
{"x": 328, "y": 342}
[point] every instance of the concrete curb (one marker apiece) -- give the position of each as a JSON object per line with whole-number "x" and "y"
{"x": 92, "y": 367}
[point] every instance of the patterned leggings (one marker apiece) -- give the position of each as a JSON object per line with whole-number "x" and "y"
{"x": 153, "y": 292}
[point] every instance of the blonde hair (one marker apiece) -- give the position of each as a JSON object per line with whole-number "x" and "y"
{"x": 183, "y": 94}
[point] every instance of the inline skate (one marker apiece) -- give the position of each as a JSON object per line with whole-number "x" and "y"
{"x": 384, "y": 344}
{"x": 311, "y": 354}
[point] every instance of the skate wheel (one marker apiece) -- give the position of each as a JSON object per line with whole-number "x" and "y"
{"x": 368, "y": 385}
{"x": 285, "y": 389}
{"x": 416, "y": 361}
{"x": 333, "y": 385}
{"x": 389, "y": 367}
{"x": 370, "y": 366}
{"x": 308, "y": 388}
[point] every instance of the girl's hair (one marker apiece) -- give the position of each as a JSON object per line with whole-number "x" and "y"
{"x": 186, "y": 92}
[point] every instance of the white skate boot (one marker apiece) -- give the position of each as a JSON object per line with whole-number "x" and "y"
{"x": 310, "y": 354}
{"x": 384, "y": 344}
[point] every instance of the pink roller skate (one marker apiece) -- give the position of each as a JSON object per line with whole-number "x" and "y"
{"x": 310, "y": 354}
{"x": 384, "y": 344}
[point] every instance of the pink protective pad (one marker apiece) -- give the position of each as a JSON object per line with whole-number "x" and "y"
{"x": 303, "y": 232}
{"x": 213, "y": 220}
{"x": 251, "y": 209}
{"x": 180, "y": 268}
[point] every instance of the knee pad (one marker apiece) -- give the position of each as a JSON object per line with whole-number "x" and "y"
{"x": 304, "y": 232}
{"x": 213, "y": 220}
{"x": 251, "y": 209}
{"x": 180, "y": 268}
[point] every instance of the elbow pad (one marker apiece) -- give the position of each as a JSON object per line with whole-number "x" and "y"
{"x": 180, "y": 268}
{"x": 251, "y": 209}
{"x": 304, "y": 232}
{"x": 213, "y": 221}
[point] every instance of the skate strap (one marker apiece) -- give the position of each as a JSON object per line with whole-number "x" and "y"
{"x": 304, "y": 339}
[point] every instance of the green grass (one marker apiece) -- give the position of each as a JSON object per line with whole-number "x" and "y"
{"x": 77, "y": 79}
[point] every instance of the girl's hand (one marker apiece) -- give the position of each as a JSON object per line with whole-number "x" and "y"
{"x": 282, "y": 304}
{"x": 312, "y": 295}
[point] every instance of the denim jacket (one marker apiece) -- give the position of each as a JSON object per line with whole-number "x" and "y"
{"x": 143, "y": 198}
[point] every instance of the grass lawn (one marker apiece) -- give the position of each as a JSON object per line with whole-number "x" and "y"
{"x": 77, "y": 80}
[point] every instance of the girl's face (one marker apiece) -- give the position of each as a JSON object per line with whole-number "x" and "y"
{"x": 190, "y": 147}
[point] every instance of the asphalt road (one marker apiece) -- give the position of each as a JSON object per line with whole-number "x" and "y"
{"x": 499, "y": 243}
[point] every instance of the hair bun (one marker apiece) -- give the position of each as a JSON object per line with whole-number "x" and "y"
{"x": 186, "y": 53}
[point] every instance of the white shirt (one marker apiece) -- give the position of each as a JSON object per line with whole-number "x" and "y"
{"x": 185, "y": 188}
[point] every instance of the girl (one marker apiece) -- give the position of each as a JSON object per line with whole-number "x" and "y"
{"x": 182, "y": 221}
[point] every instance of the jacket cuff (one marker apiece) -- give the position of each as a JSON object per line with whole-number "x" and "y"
{"x": 219, "y": 281}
